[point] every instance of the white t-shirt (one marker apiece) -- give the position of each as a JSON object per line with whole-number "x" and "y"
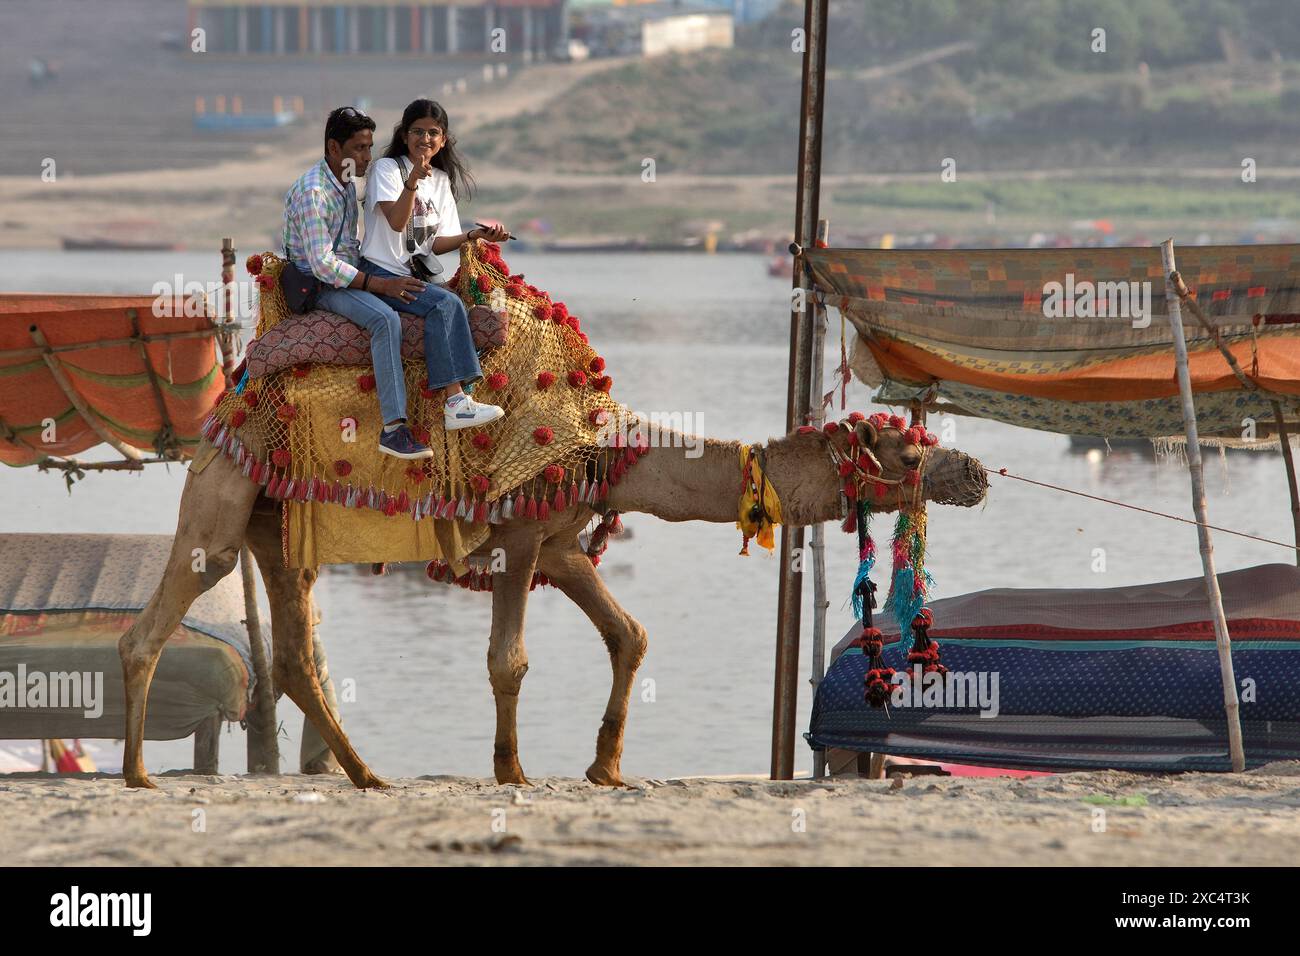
{"x": 433, "y": 214}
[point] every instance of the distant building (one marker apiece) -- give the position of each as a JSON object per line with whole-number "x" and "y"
{"x": 651, "y": 27}
{"x": 532, "y": 27}
{"x": 674, "y": 31}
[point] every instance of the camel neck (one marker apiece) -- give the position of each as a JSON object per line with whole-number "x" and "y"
{"x": 683, "y": 478}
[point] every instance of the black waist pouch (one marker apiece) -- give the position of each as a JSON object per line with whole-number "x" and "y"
{"x": 299, "y": 290}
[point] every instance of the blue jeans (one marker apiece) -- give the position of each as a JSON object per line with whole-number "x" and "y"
{"x": 385, "y": 328}
{"x": 449, "y": 351}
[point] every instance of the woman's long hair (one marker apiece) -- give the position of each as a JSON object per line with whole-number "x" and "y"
{"x": 446, "y": 159}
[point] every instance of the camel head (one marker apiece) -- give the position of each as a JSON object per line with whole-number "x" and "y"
{"x": 880, "y": 459}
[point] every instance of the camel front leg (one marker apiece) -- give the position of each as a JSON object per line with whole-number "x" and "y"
{"x": 215, "y": 506}
{"x": 294, "y": 670}
{"x": 573, "y": 573}
{"x": 507, "y": 658}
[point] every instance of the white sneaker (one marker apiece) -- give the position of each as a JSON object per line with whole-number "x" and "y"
{"x": 468, "y": 413}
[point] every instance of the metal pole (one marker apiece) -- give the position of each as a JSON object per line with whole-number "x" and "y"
{"x": 786, "y": 691}
{"x": 1289, "y": 461}
{"x": 1221, "y": 638}
{"x": 818, "y": 544}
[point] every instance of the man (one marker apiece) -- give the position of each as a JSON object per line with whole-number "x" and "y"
{"x": 320, "y": 234}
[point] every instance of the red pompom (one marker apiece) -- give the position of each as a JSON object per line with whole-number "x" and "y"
{"x": 573, "y": 323}
{"x": 342, "y": 468}
{"x": 237, "y": 417}
{"x": 542, "y": 311}
{"x": 898, "y": 421}
{"x": 805, "y": 429}
{"x": 250, "y": 399}
{"x": 484, "y": 282}
{"x": 515, "y": 290}
{"x": 286, "y": 413}
{"x": 597, "y": 365}
{"x": 366, "y": 382}
{"x": 846, "y": 469}
{"x": 553, "y": 473}
{"x": 916, "y": 435}
{"x": 603, "y": 384}
{"x": 254, "y": 265}
{"x": 415, "y": 473}
{"x": 420, "y": 434}
{"x": 598, "y": 417}
{"x": 856, "y": 417}
{"x": 831, "y": 428}
{"x": 497, "y": 381}
{"x": 281, "y": 457}
{"x": 545, "y": 379}
{"x": 577, "y": 378}
{"x": 543, "y": 435}
{"x": 479, "y": 483}
{"x": 265, "y": 282}
{"x": 482, "y": 441}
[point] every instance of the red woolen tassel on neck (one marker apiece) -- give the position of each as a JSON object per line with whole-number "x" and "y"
{"x": 531, "y": 510}
{"x": 543, "y": 511}
{"x": 520, "y": 506}
{"x": 481, "y": 513}
{"x": 559, "y": 504}
{"x": 604, "y": 488}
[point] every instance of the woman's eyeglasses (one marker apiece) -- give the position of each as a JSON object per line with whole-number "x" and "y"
{"x": 429, "y": 134}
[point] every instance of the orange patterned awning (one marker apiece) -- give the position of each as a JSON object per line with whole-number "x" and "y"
{"x": 109, "y": 371}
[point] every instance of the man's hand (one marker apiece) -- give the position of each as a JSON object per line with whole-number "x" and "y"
{"x": 490, "y": 233}
{"x": 421, "y": 168}
{"x": 406, "y": 288}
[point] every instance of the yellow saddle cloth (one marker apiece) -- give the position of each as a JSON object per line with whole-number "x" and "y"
{"x": 309, "y": 434}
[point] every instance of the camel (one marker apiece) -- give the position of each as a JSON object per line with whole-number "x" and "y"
{"x": 220, "y": 510}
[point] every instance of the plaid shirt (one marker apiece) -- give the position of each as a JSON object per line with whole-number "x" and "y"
{"x": 314, "y": 208}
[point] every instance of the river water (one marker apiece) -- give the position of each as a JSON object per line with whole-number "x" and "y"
{"x": 706, "y": 337}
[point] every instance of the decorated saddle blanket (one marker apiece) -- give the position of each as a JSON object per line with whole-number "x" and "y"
{"x": 327, "y": 338}
{"x": 308, "y": 431}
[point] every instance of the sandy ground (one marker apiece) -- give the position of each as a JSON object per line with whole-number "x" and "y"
{"x": 1191, "y": 819}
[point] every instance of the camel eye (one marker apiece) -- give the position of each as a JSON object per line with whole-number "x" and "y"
{"x": 911, "y": 457}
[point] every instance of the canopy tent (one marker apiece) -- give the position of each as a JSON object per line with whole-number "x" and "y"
{"x": 65, "y": 599}
{"x": 1071, "y": 340}
{"x": 102, "y": 369}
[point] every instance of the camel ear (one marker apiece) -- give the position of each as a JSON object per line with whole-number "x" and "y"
{"x": 867, "y": 434}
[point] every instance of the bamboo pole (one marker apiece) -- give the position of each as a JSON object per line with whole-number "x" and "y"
{"x": 1289, "y": 461}
{"x": 818, "y": 535}
{"x": 262, "y": 744}
{"x": 79, "y": 403}
{"x": 785, "y": 695}
{"x": 1222, "y": 640}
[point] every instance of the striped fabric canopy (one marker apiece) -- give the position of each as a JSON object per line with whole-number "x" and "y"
{"x": 149, "y": 388}
{"x": 1075, "y": 341}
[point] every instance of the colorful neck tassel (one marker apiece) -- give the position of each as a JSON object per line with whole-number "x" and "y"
{"x": 910, "y": 583}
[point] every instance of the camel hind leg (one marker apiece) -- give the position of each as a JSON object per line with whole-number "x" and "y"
{"x": 294, "y": 671}
{"x": 573, "y": 573}
{"x": 214, "y": 511}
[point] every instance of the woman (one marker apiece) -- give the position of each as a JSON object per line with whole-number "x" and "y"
{"x": 411, "y": 213}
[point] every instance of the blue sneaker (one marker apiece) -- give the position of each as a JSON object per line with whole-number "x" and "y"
{"x": 400, "y": 444}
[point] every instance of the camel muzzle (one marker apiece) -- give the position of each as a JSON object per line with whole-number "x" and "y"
{"x": 954, "y": 478}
